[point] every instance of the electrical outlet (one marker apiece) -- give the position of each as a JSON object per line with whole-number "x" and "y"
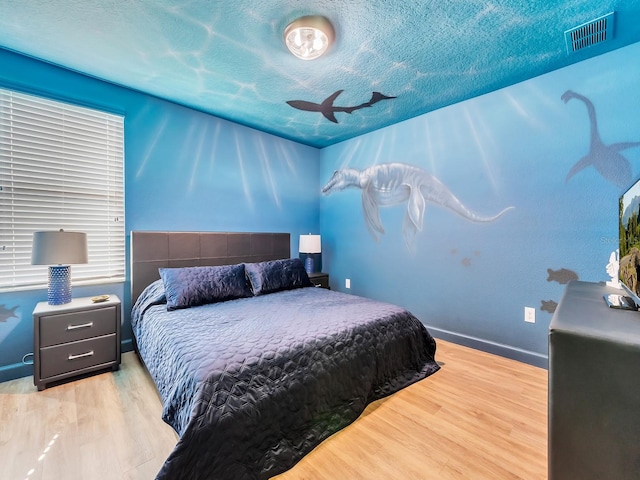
{"x": 529, "y": 314}
{"x": 347, "y": 283}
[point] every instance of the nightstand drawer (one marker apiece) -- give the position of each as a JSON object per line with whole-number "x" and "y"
{"x": 72, "y": 326}
{"x": 73, "y": 356}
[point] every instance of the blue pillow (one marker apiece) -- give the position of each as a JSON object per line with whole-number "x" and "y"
{"x": 193, "y": 286}
{"x": 276, "y": 275}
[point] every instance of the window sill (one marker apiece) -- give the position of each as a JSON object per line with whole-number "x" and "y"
{"x": 78, "y": 283}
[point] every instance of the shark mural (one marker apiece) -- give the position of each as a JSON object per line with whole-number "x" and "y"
{"x": 7, "y": 313}
{"x": 328, "y": 110}
{"x": 606, "y": 159}
{"x": 391, "y": 184}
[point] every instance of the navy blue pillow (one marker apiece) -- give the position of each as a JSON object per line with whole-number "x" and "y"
{"x": 193, "y": 286}
{"x": 276, "y": 275}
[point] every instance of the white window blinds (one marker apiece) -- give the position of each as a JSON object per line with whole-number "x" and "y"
{"x": 61, "y": 166}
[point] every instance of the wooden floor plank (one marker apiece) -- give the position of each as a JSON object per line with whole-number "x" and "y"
{"x": 480, "y": 417}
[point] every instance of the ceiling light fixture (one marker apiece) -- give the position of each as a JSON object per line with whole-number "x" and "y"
{"x": 309, "y": 37}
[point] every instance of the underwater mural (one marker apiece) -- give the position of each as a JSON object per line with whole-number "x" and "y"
{"x": 328, "y": 110}
{"x": 559, "y": 148}
{"x": 548, "y": 306}
{"x": 466, "y": 261}
{"x": 562, "y": 276}
{"x": 606, "y": 159}
{"x": 390, "y": 184}
{"x": 7, "y": 313}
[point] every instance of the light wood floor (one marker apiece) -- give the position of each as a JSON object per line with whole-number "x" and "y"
{"x": 480, "y": 417}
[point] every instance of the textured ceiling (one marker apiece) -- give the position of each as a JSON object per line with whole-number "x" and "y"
{"x": 228, "y": 58}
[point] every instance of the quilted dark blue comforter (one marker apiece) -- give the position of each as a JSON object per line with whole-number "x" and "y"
{"x": 252, "y": 385}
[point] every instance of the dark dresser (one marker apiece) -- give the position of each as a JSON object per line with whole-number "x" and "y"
{"x": 594, "y": 387}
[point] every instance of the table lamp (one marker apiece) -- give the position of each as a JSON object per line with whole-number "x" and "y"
{"x": 309, "y": 244}
{"x": 59, "y": 249}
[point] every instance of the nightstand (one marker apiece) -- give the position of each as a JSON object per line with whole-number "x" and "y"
{"x": 75, "y": 338}
{"x": 320, "y": 279}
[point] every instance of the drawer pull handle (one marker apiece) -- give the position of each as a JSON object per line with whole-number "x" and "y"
{"x": 82, "y": 355}
{"x": 82, "y": 325}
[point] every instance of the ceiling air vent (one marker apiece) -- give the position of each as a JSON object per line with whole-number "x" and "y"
{"x": 590, "y": 33}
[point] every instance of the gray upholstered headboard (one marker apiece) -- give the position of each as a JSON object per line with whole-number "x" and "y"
{"x": 152, "y": 250}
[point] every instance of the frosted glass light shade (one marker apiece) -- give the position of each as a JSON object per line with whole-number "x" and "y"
{"x": 309, "y": 37}
{"x": 310, "y": 244}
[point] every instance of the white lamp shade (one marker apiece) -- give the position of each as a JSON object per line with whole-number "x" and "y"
{"x": 310, "y": 244}
{"x": 59, "y": 248}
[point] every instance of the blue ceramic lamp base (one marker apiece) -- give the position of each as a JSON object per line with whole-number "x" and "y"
{"x": 59, "y": 291}
{"x": 308, "y": 264}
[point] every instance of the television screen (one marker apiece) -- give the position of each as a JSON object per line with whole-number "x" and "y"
{"x": 629, "y": 226}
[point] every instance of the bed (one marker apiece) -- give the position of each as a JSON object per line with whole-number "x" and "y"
{"x": 254, "y": 365}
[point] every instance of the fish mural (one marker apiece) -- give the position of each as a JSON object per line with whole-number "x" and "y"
{"x": 7, "y": 313}
{"x": 562, "y": 276}
{"x": 606, "y": 159}
{"x": 548, "y": 306}
{"x": 328, "y": 109}
{"x": 391, "y": 184}
{"x": 466, "y": 261}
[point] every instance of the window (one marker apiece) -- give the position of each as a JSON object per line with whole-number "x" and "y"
{"x": 61, "y": 166}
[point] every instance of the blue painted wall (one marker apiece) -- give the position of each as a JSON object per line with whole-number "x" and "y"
{"x": 514, "y": 147}
{"x": 184, "y": 170}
